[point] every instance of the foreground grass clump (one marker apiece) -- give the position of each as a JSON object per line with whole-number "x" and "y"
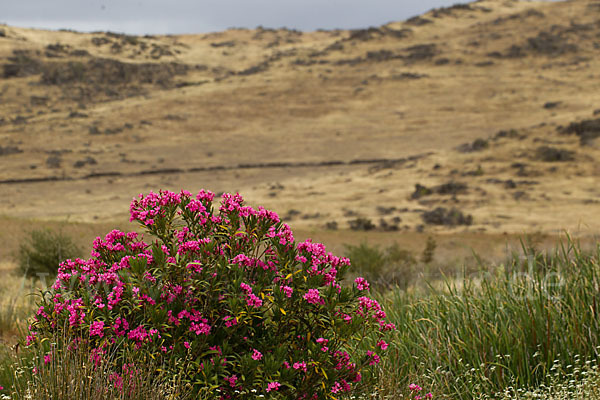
{"x": 61, "y": 371}
{"x": 16, "y": 305}
{"x": 225, "y": 301}
{"x": 506, "y": 327}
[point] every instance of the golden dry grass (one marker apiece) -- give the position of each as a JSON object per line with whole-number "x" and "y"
{"x": 314, "y": 98}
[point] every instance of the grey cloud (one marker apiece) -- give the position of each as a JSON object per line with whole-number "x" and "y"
{"x": 189, "y": 16}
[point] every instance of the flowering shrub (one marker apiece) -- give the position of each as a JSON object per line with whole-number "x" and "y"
{"x": 225, "y": 299}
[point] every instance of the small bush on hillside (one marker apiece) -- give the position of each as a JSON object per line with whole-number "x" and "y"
{"x": 44, "y": 250}
{"x": 224, "y": 300}
{"x": 429, "y": 250}
{"x": 361, "y": 224}
{"x": 443, "y": 216}
{"x": 587, "y": 130}
{"x": 553, "y": 154}
{"x": 476, "y": 145}
{"x": 387, "y": 268}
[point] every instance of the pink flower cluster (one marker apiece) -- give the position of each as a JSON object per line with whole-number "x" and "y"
{"x": 251, "y": 299}
{"x": 369, "y": 307}
{"x": 300, "y": 366}
{"x": 341, "y": 386}
{"x": 256, "y": 355}
{"x": 231, "y": 380}
{"x": 413, "y": 387}
{"x": 373, "y": 358}
{"x": 97, "y": 328}
{"x": 287, "y": 291}
{"x": 361, "y": 283}
{"x": 314, "y": 297}
{"x": 273, "y": 386}
{"x": 323, "y": 342}
{"x": 151, "y": 206}
{"x": 319, "y": 262}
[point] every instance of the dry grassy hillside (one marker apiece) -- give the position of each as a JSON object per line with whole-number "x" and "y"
{"x": 491, "y": 108}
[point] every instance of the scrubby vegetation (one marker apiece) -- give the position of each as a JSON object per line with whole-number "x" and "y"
{"x": 45, "y": 249}
{"x": 526, "y": 328}
{"x": 383, "y": 268}
{"x": 444, "y": 216}
{"x": 504, "y": 327}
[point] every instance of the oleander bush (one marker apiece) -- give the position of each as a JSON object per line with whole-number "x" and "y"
{"x": 223, "y": 299}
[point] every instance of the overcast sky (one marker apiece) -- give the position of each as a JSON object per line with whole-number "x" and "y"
{"x": 198, "y": 16}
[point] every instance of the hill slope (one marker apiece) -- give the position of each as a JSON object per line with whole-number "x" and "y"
{"x": 491, "y": 108}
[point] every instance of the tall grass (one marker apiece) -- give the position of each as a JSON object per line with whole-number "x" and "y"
{"x": 526, "y": 329}
{"x": 17, "y": 302}
{"x": 59, "y": 371}
{"x": 505, "y": 327}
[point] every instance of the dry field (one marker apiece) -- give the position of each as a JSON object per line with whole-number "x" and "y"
{"x": 491, "y": 107}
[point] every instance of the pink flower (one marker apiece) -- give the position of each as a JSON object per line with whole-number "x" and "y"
{"x": 254, "y": 301}
{"x": 313, "y": 297}
{"x": 273, "y": 386}
{"x": 287, "y": 290}
{"x": 388, "y": 327}
{"x": 300, "y": 365}
{"x": 96, "y": 356}
{"x": 138, "y": 334}
{"x": 187, "y": 345}
{"x": 205, "y": 195}
{"x": 1, "y": 388}
{"x": 230, "y": 321}
{"x": 414, "y": 387}
{"x": 257, "y": 355}
{"x": 336, "y": 387}
{"x": 245, "y": 287}
{"x": 375, "y": 359}
{"x": 323, "y": 342}
{"x": 361, "y": 283}
{"x": 30, "y": 339}
{"x": 96, "y": 328}
{"x": 117, "y": 380}
{"x": 251, "y": 299}
{"x": 231, "y": 380}
{"x": 382, "y": 345}
{"x": 200, "y": 328}
{"x": 48, "y": 358}
{"x": 120, "y": 326}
